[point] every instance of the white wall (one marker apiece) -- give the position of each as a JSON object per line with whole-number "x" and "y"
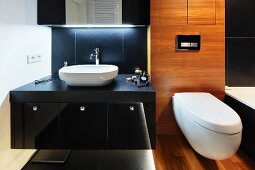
{"x": 19, "y": 36}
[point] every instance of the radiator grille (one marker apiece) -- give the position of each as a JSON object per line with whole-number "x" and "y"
{"x": 104, "y": 11}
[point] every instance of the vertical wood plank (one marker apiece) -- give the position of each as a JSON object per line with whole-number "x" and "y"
{"x": 201, "y": 12}
{"x": 173, "y": 12}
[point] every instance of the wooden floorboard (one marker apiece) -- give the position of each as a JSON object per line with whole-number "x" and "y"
{"x": 175, "y": 153}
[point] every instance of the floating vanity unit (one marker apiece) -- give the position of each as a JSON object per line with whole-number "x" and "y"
{"x": 53, "y": 115}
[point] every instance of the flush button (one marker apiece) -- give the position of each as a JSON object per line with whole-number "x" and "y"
{"x": 185, "y": 44}
{"x": 193, "y": 44}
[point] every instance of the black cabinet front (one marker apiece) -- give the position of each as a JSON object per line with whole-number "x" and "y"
{"x": 41, "y": 125}
{"x": 83, "y": 125}
{"x": 65, "y": 126}
{"x": 240, "y": 61}
{"x": 240, "y": 18}
{"x": 127, "y": 127}
{"x": 53, "y": 12}
{"x": 136, "y": 12}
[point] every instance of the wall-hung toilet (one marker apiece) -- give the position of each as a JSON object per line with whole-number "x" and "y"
{"x": 211, "y": 127}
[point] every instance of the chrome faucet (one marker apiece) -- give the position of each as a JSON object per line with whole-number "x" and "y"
{"x": 96, "y": 55}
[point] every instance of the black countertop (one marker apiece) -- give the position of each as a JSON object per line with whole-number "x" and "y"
{"x": 58, "y": 91}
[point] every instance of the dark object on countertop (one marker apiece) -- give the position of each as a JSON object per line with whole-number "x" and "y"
{"x": 144, "y": 84}
{"x": 141, "y": 78}
{"x": 44, "y": 80}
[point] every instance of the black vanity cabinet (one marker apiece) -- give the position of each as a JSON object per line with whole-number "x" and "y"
{"x": 52, "y": 115}
{"x": 83, "y": 125}
{"x": 53, "y": 12}
{"x": 41, "y": 125}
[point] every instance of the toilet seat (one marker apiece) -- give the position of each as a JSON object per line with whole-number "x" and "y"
{"x": 219, "y": 118}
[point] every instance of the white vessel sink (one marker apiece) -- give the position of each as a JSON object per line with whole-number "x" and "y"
{"x": 88, "y": 75}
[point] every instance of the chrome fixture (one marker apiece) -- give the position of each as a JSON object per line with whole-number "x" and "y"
{"x": 82, "y": 108}
{"x": 35, "y": 108}
{"x": 65, "y": 64}
{"x": 96, "y": 55}
{"x": 131, "y": 108}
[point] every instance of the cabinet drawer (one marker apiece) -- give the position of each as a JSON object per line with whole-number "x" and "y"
{"x": 127, "y": 128}
{"x": 41, "y": 125}
{"x": 83, "y": 125}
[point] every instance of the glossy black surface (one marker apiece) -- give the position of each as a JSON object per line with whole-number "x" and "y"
{"x": 101, "y": 160}
{"x": 41, "y": 125}
{"x": 51, "y": 156}
{"x": 63, "y": 48}
{"x": 240, "y": 61}
{"x": 240, "y": 18}
{"x": 77, "y": 160}
{"x": 65, "y": 125}
{"x": 83, "y": 128}
{"x": 52, "y": 12}
{"x": 124, "y": 47}
{"x": 136, "y": 12}
{"x": 58, "y": 91}
{"x": 247, "y": 116}
{"x": 83, "y": 117}
{"x": 240, "y": 39}
{"x": 127, "y": 126}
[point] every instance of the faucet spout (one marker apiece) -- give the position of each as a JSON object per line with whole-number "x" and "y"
{"x": 97, "y": 55}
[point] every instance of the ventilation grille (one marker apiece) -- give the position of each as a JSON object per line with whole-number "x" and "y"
{"x": 104, "y": 11}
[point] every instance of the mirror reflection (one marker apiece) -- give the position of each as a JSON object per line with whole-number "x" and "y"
{"x": 99, "y": 12}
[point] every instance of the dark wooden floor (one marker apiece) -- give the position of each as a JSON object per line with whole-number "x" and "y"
{"x": 174, "y": 152}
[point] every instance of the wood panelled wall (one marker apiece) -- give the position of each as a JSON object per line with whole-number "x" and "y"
{"x": 174, "y": 71}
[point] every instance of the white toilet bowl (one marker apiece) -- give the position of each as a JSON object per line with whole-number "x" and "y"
{"x": 212, "y": 128}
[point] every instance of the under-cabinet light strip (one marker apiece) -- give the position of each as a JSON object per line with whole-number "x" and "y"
{"x": 98, "y": 26}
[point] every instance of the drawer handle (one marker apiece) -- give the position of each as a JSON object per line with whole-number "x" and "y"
{"x": 132, "y": 108}
{"x": 82, "y": 108}
{"x": 35, "y": 108}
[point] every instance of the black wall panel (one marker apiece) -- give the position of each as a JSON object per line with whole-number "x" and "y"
{"x": 124, "y": 47}
{"x": 240, "y": 56}
{"x": 136, "y": 12}
{"x": 63, "y": 48}
{"x": 240, "y": 41}
{"x": 240, "y": 18}
{"x": 109, "y": 41}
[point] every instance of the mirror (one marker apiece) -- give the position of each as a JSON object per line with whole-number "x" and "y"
{"x": 96, "y": 12}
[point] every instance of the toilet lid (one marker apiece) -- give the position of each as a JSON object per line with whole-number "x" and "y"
{"x": 210, "y": 112}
